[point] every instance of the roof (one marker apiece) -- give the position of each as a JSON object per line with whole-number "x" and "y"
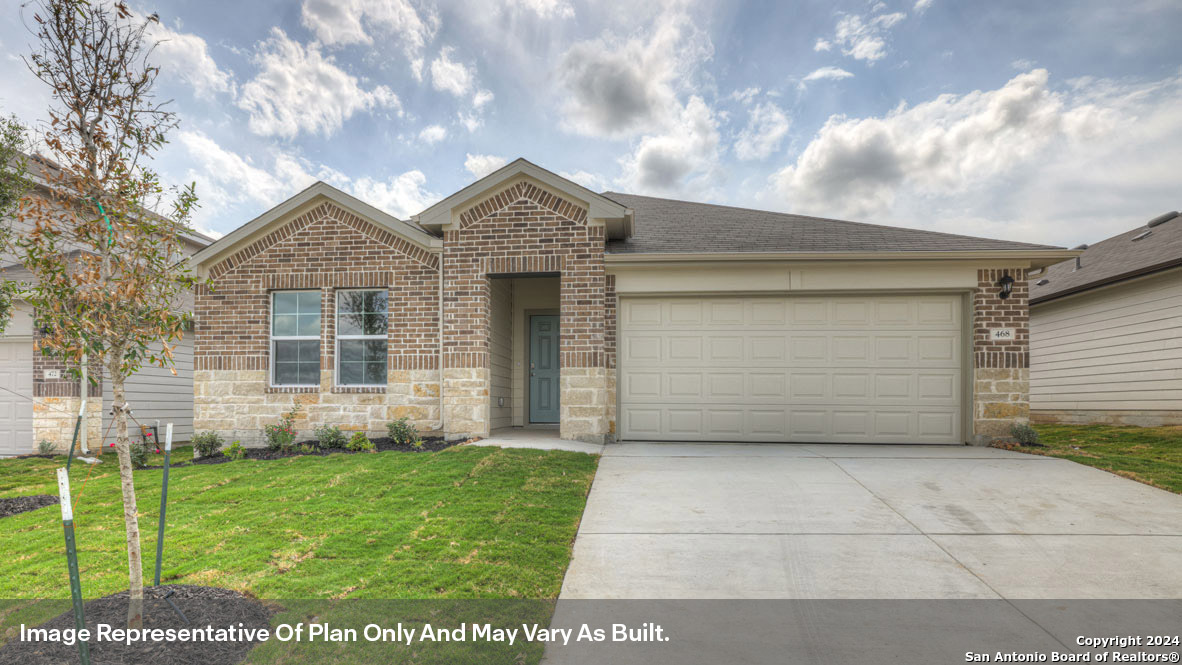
{"x": 265, "y": 221}
{"x": 1117, "y": 258}
{"x": 668, "y": 226}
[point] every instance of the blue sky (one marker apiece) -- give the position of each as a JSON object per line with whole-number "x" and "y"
{"x": 1045, "y": 122}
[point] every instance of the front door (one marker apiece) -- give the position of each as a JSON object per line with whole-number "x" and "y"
{"x": 543, "y": 368}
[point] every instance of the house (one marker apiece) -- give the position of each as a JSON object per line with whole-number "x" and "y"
{"x": 525, "y": 299}
{"x": 1106, "y": 331}
{"x": 39, "y": 401}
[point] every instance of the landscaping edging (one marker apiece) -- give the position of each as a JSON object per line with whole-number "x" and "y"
{"x": 381, "y": 445}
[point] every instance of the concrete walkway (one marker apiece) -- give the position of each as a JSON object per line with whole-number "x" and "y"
{"x": 676, "y": 521}
{"x": 537, "y": 438}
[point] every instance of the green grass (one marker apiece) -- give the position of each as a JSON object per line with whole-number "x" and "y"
{"x": 1151, "y": 455}
{"x": 467, "y": 522}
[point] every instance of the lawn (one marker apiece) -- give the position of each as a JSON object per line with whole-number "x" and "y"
{"x": 1151, "y": 455}
{"x": 467, "y": 522}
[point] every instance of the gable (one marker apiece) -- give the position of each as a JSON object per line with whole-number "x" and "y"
{"x": 250, "y": 238}
{"x": 347, "y": 232}
{"x": 521, "y": 190}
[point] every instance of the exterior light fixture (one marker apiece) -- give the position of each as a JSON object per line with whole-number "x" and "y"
{"x": 1007, "y": 286}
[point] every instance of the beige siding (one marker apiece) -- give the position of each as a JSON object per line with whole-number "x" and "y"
{"x": 499, "y": 336}
{"x": 535, "y": 295}
{"x": 1116, "y": 349}
{"x": 155, "y": 394}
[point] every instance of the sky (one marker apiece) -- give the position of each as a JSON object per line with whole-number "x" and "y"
{"x": 1048, "y": 122}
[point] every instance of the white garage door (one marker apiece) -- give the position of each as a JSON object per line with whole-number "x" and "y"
{"x": 16, "y": 410}
{"x": 843, "y": 369}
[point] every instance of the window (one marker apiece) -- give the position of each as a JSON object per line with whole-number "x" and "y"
{"x": 361, "y": 338}
{"x": 295, "y": 338}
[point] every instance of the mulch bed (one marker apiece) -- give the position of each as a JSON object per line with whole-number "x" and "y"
{"x": 23, "y": 504}
{"x": 203, "y": 606}
{"x": 381, "y": 445}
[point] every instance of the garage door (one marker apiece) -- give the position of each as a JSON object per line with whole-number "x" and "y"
{"x": 16, "y": 405}
{"x": 876, "y": 369}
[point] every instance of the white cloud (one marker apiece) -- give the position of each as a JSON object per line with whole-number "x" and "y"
{"x": 1022, "y": 64}
{"x": 1046, "y": 166}
{"x": 481, "y": 98}
{"x": 864, "y": 38}
{"x": 591, "y": 181}
{"x": 432, "y": 134}
{"x": 449, "y": 75}
{"x": 767, "y": 125}
{"x": 744, "y": 96}
{"x": 684, "y": 155}
{"x": 828, "y": 73}
{"x": 823, "y": 45}
{"x": 921, "y": 6}
{"x": 299, "y": 89}
{"x": 546, "y": 8}
{"x": 401, "y": 196}
{"x": 345, "y": 22}
{"x": 225, "y": 179}
{"x": 482, "y": 165}
{"x": 186, "y": 56}
{"x": 622, "y": 87}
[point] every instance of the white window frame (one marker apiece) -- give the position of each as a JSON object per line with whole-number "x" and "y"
{"x": 338, "y": 338}
{"x": 291, "y": 338}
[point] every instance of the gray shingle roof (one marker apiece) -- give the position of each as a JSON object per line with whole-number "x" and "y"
{"x": 668, "y": 226}
{"x": 1116, "y": 258}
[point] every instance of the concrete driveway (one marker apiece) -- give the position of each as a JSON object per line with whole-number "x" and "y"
{"x": 674, "y": 521}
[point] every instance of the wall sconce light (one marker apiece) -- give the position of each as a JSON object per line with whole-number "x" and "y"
{"x": 1007, "y": 286}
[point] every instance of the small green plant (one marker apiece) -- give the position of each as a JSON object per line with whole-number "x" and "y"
{"x": 46, "y": 447}
{"x": 235, "y": 451}
{"x": 207, "y": 443}
{"x": 330, "y": 436}
{"x": 417, "y": 443}
{"x": 401, "y": 431}
{"x": 360, "y": 443}
{"x": 1025, "y": 434}
{"x": 139, "y": 455}
{"x": 282, "y": 435}
{"x": 307, "y": 448}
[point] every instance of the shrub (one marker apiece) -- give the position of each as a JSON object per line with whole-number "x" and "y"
{"x": 1025, "y": 434}
{"x": 417, "y": 443}
{"x": 235, "y": 451}
{"x": 359, "y": 443}
{"x": 401, "y": 431}
{"x": 307, "y": 448}
{"x": 139, "y": 455}
{"x": 46, "y": 447}
{"x": 330, "y": 436}
{"x": 282, "y": 435}
{"x": 207, "y": 443}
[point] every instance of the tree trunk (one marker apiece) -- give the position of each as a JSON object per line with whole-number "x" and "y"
{"x": 131, "y": 522}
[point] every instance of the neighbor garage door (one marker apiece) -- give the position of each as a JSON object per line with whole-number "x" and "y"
{"x": 16, "y": 399}
{"x": 870, "y": 369}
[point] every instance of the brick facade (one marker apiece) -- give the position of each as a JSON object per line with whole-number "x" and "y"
{"x": 56, "y": 402}
{"x": 524, "y": 229}
{"x": 325, "y": 249}
{"x": 1001, "y": 370}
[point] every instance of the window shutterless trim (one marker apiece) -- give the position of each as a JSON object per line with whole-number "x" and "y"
{"x": 272, "y": 338}
{"x": 336, "y": 345}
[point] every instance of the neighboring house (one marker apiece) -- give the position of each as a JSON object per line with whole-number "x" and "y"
{"x": 1106, "y": 332}
{"x": 526, "y": 299}
{"x": 40, "y": 401}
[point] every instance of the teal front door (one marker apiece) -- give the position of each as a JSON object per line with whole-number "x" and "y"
{"x": 543, "y": 368}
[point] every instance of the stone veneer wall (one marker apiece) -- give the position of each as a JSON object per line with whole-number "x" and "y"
{"x": 524, "y": 229}
{"x": 1001, "y": 370}
{"x": 326, "y": 248}
{"x": 56, "y": 403}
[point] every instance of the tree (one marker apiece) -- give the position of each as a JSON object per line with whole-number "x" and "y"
{"x": 110, "y": 273}
{"x": 13, "y": 185}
